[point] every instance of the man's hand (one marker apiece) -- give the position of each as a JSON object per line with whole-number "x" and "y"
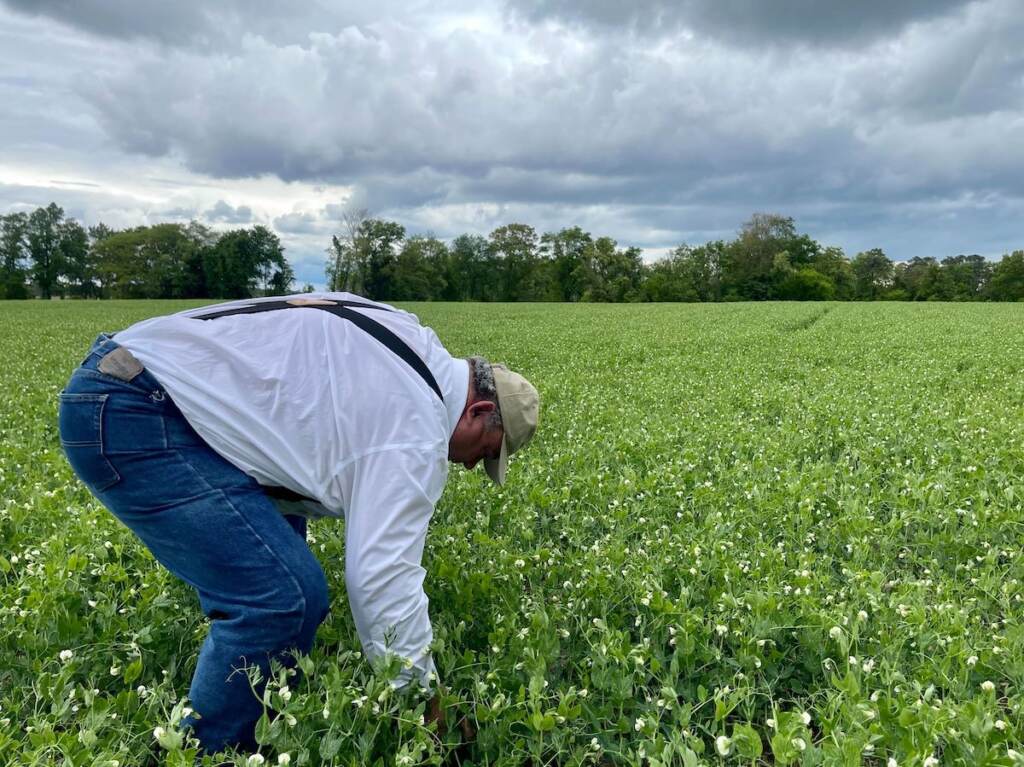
{"x": 468, "y": 730}
{"x": 436, "y": 713}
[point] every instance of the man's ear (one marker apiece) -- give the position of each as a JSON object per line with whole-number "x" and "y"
{"x": 481, "y": 407}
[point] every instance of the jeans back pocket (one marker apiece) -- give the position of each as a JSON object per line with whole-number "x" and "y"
{"x": 80, "y": 422}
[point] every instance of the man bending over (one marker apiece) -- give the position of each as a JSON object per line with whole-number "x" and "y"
{"x": 213, "y": 434}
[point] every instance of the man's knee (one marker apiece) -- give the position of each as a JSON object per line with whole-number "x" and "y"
{"x": 287, "y": 616}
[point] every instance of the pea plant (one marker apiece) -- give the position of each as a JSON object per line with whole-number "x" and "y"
{"x": 745, "y": 534}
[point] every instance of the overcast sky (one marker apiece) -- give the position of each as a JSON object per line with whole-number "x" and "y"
{"x": 876, "y": 123}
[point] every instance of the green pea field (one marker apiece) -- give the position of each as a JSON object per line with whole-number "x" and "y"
{"x": 745, "y": 534}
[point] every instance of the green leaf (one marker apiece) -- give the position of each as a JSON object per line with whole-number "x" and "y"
{"x": 747, "y": 741}
{"x": 263, "y": 733}
{"x": 132, "y": 671}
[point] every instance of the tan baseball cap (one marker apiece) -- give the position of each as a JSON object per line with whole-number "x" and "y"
{"x": 519, "y": 404}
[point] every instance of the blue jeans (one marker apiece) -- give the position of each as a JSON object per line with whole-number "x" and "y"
{"x": 207, "y": 522}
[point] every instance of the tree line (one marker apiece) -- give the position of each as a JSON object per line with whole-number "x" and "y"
{"x": 768, "y": 260}
{"x": 46, "y": 254}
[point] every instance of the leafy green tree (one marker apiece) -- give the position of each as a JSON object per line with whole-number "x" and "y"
{"x": 833, "y": 264}
{"x": 702, "y": 266}
{"x": 920, "y": 278}
{"x": 245, "y": 262}
{"x": 470, "y": 274}
{"x": 202, "y": 240}
{"x": 750, "y": 270}
{"x": 44, "y": 251}
{"x": 346, "y": 263}
{"x": 967, "y": 277}
{"x": 872, "y": 272}
{"x": 78, "y": 269}
{"x": 147, "y": 262}
{"x": 613, "y": 275}
{"x": 13, "y": 254}
{"x": 567, "y": 252}
{"x": 99, "y": 232}
{"x": 1007, "y": 283}
{"x": 515, "y": 247}
{"x": 378, "y": 242}
{"x": 275, "y": 274}
{"x": 667, "y": 279}
{"x": 420, "y": 270}
{"x": 806, "y": 284}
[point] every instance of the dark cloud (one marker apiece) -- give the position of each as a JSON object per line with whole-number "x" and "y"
{"x": 180, "y": 212}
{"x": 653, "y": 122}
{"x": 744, "y": 21}
{"x": 166, "y": 22}
{"x": 227, "y": 214}
{"x": 299, "y": 223}
{"x": 220, "y": 25}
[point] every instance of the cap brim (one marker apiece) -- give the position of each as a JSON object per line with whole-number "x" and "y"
{"x": 496, "y": 467}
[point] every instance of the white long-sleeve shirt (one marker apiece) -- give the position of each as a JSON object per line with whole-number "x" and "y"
{"x": 302, "y": 399}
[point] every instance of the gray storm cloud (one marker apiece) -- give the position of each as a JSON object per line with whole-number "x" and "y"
{"x": 666, "y": 119}
{"x": 746, "y": 21}
{"x": 568, "y": 117}
{"x": 224, "y": 213}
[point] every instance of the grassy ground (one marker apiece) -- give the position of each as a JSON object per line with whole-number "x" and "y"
{"x": 745, "y": 533}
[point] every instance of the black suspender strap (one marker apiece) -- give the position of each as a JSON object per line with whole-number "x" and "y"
{"x": 390, "y": 340}
{"x": 342, "y": 309}
{"x": 267, "y": 306}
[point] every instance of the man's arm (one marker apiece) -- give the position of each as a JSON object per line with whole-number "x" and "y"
{"x": 391, "y": 499}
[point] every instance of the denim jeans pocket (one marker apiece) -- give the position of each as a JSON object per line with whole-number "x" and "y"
{"x": 80, "y": 420}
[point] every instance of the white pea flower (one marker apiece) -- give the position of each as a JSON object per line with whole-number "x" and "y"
{"x": 931, "y": 761}
{"x": 66, "y": 655}
{"x": 892, "y": 763}
{"x": 805, "y": 718}
{"x": 835, "y": 632}
{"x": 723, "y": 745}
{"x": 972, "y": 661}
{"x": 284, "y": 758}
{"x": 638, "y": 724}
{"x": 799, "y": 744}
{"x": 255, "y": 760}
{"x": 988, "y": 686}
{"x": 862, "y": 615}
{"x": 721, "y": 630}
{"x": 158, "y": 732}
